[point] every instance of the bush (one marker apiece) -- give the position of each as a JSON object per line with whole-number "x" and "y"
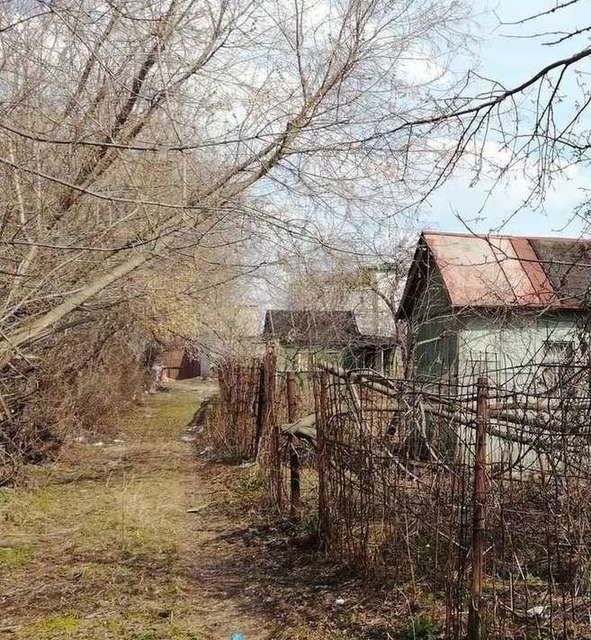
{"x": 422, "y": 627}
{"x": 78, "y": 385}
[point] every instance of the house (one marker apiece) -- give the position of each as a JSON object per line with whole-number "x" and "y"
{"x": 478, "y": 304}
{"x": 371, "y": 295}
{"x": 369, "y": 291}
{"x": 325, "y": 335}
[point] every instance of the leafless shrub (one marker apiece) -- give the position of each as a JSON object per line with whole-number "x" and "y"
{"x": 398, "y": 493}
{"x": 81, "y": 384}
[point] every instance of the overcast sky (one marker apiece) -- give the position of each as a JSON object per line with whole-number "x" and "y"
{"x": 512, "y": 60}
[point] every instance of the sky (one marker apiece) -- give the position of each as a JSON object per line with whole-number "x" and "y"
{"x": 505, "y": 55}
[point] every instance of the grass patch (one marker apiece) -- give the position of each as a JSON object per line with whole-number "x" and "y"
{"x": 422, "y": 627}
{"x": 100, "y": 546}
{"x": 69, "y": 627}
{"x": 105, "y": 531}
{"x": 163, "y": 415}
{"x": 136, "y": 514}
{"x": 171, "y": 632}
{"x": 59, "y": 625}
{"x": 15, "y": 556}
{"x": 251, "y": 482}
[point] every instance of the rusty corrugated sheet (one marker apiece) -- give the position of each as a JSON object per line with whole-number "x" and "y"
{"x": 475, "y": 274}
{"x": 568, "y": 266}
{"x": 511, "y": 271}
{"x": 544, "y": 292}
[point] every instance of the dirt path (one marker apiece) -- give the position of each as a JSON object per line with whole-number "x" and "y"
{"x": 133, "y": 538}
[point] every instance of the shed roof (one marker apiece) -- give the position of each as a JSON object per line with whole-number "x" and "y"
{"x": 504, "y": 271}
{"x": 311, "y": 327}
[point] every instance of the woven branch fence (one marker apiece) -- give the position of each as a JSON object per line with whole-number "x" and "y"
{"x": 255, "y": 400}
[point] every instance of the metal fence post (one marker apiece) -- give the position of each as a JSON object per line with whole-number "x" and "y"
{"x": 260, "y": 410}
{"x": 475, "y": 623}
{"x": 295, "y": 506}
{"x": 321, "y": 453}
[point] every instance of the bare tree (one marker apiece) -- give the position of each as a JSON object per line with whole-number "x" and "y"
{"x": 144, "y": 138}
{"x": 535, "y": 128}
{"x": 133, "y": 130}
{"x": 363, "y": 273}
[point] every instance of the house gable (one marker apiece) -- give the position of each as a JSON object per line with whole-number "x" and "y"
{"x": 425, "y": 294}
{"x": 503, "y": 272}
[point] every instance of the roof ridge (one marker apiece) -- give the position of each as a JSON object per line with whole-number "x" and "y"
{"x": 484, "y": 236}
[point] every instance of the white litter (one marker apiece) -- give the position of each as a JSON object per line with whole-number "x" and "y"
{"x": 538, "y": 611}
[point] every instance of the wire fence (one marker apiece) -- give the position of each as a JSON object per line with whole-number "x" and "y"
{"x": 476, "y": 491}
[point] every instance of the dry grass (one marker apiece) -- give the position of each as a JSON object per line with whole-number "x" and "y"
{"x": 81, "y": 384}
{"x": 101, "y": 546}
{"x": 89, "y": 548}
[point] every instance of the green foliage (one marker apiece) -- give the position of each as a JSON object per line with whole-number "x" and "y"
{"x": 59, "y": 624}
{"x": 538, "y": 634}
{"x": 308, "y": 526}
{"x": 149, "y": 634}
{"x": 169, "y": 633}
{"x": 251, "y": 482}
{"x": 422, "y": 627}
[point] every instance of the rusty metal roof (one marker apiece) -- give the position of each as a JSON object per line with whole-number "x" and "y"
{"x": 505, "y": 271}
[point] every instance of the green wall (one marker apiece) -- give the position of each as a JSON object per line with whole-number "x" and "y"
{"x": 469, "y": 344}
{"x": 491, "y": 343}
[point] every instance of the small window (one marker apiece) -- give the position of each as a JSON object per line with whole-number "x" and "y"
{"x": 558, "y": 351}
{"x": 557, "y": 355}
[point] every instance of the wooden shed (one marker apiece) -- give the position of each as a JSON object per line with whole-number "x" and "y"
{"x": 480, "y": 304}
{"x": 180, "y": 363}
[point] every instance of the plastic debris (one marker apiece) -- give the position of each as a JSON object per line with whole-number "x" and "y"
{"x": 539, "y": 611}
